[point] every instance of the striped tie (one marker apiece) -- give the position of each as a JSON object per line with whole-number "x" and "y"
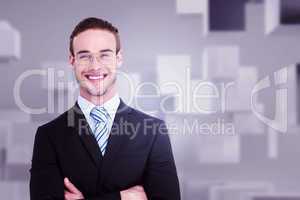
{"x": 101, "y": 131}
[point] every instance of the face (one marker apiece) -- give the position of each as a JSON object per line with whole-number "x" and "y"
{"x": 95, "y": 62}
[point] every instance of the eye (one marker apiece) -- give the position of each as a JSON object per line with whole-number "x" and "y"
{"x": 104, "y": 55}
{"x": 83, "y": 56}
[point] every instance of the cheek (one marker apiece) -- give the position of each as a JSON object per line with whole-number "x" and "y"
{"x": 79, "y": 70}
{"x": 113, "y": 69}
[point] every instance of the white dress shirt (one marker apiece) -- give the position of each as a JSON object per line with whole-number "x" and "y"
{"x": 111, "y": 107}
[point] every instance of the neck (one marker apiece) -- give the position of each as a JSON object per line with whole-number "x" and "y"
{"x": 99, "y": 99}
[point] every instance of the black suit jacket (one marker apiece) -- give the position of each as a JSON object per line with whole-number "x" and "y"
{"x": 138, "y": 153}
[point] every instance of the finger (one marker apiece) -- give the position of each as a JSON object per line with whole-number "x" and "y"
{"x": 67, "y": 195}
{"x": 139, "y": 188}
{"x": 70, "y": 196}
{"x": 70, "y": 186}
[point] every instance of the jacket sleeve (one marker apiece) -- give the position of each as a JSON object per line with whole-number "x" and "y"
{"x": 161, "y": 181}
{"x": 108, "y": 196}
{"x": 46, "y": 181}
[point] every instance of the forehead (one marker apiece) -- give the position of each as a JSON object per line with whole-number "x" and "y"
{"x": 94, "y": 40}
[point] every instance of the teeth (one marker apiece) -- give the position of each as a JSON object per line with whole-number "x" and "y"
{"x": 95, "y": 77}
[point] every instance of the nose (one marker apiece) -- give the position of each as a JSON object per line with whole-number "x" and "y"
{"x": 95, "y": 63}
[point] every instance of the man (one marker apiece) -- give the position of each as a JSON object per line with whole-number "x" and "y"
{"x": 101, "y": 148}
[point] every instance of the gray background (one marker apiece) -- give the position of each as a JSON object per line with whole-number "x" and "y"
{"x": 257, "y": 160}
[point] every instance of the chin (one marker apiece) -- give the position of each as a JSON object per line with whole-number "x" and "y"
{"x": 96, "y": 91}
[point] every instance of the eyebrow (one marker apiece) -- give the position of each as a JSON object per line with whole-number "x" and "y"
{"x": 106, "y": 50}
{"x": 83, "y": 51}
{"x": 101, "y": 51}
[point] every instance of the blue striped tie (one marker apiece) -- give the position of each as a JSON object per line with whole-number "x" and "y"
{"x": 101, "y": 131}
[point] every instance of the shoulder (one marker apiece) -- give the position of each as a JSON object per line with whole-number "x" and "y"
{"x": 59, "y": 121}
{"x": 153, "y": 131}
{"x": 148, "y": 125}
{"x": 55, "y": 126}
{"x": 139, "y": 115}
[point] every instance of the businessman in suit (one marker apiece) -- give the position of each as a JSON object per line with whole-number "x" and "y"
{"x": 101, "y": 148}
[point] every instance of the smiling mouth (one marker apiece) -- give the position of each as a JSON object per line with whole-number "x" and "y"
{"x": 96, "y": 77}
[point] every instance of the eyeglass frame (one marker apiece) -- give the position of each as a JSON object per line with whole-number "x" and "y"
{"x": 98, "y": 56}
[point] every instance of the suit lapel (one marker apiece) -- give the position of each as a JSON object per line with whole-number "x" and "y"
{"x": 81, "y": 127}
{"x": 116, "y": 139}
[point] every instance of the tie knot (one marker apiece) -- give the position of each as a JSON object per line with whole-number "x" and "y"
{"x": 99, "y": 114}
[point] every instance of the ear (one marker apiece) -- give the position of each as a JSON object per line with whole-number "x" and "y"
{"x": 71, "y": 60}
{"x": 120, "y": 58}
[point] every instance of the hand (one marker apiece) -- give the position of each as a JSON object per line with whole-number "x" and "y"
{"x": 136, "y": 193}
{"x": 72, "y": 193}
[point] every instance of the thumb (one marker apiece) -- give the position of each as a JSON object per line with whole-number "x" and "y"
{"x": 70, "y": 186}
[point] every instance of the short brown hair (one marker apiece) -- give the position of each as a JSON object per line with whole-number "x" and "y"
{"x": 94, "y": 23}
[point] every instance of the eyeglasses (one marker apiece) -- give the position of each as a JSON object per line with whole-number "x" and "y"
{"x": 103, "y": 58}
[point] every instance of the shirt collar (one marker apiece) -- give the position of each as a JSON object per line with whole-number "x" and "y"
{"x": 111, "y": 105}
